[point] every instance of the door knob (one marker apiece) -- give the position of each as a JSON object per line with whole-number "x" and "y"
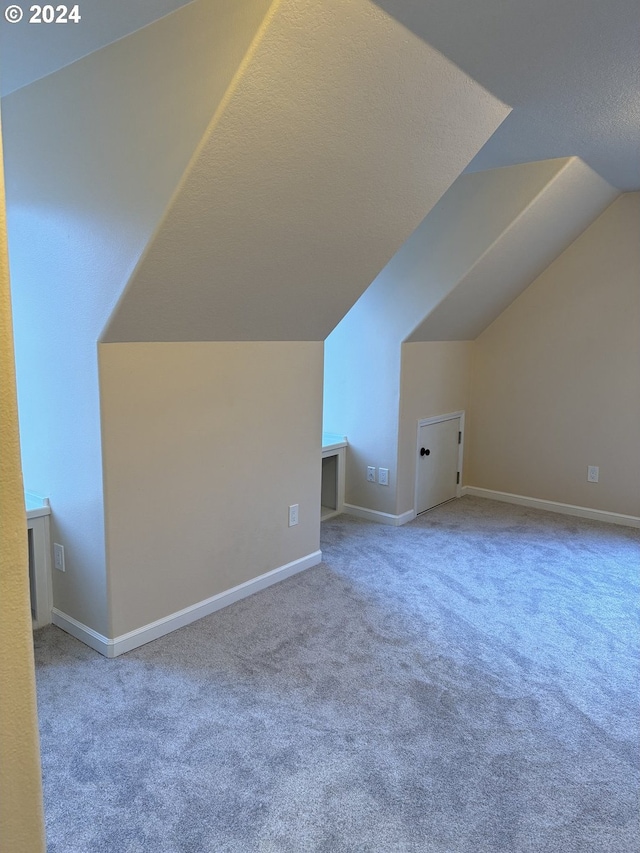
{"x": 424, "y": 451}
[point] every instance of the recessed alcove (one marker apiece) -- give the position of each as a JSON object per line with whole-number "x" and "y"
{"x": 334, "y": 448}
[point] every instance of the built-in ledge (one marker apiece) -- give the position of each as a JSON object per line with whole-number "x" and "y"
{"x": 334, "y": 448}
{"x": 38, "y": 511}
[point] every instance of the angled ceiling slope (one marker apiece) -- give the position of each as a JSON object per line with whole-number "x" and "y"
{"x": 488, "y": 237}
{"x": 551, "y": 220}
{"x": 570, "y": 71}
{"x": 30, "y": 53}
{"x": 341, "y": 131}
{"x": 93, "y": 154}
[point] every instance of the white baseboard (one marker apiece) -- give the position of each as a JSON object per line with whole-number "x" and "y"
{"x": 83, "y": 633}
{"x": 554, "y": 506}
{"x": 380, "y": 517}
{"x": 147, "y": 633}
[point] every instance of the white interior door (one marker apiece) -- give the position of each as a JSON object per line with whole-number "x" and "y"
{"x": 437, "y": 465}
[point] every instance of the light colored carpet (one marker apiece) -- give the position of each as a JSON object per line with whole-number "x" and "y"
{"x": 467, "y": 683}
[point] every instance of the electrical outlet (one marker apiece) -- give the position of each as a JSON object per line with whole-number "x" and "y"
{"x": 293, "y": 515}
{"x": 593, "y": 472}
{"x": 58, "y": 557}
{"x": 383, "y": 476}
{"x": 371, "y": 474}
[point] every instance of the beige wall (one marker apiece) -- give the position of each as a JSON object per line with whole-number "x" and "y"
{"x": 205, "y": 446}
{"x": 556, "y": 378}
{"x": 480, "y": 222}
{"x": 435, "y": 381}
{"x": 21, "y": 818}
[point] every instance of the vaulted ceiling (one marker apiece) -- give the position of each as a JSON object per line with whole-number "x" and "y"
{"x": 285, "y": 150}
{"x": 234, "y": 171}
{"x": 569, "y": 68}
{"x": 485, "y": 241}
{"x": 324, "y": 157}
{"x": 29, "y": 52}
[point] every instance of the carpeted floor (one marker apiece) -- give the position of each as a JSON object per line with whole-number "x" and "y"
{"x": 467, "y": 683}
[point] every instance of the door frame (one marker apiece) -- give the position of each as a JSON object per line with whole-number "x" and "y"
{"x": 435, "y": 420}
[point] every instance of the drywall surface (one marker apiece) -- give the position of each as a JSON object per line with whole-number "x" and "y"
{"x": 583, "y": 97}
{"x": 362, "y": 354}
{"x": 476, "y": 251}
{"x": 205, "y": 447}
{"x": 340, "y": 133}
{"x": 554, "y": 214}
{"x": 361, "y": 401}
{"x": 555, "y": 379}
{"x": 21, "y": 816}
{"x": 31, "y": 52}
{"x": 93, "y": 155}
{"x": 434, "y": 381}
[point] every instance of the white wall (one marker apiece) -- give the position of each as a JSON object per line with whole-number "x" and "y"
{"x": 361, "y": 401}
{"x": 556, "y": 378}
{"x": 205, "y": 447}
{"x": 92, "y": 156}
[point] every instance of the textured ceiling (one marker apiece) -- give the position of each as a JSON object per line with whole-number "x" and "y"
{"x": 326, "y": 153}
{"x": 483, "y": 243}
{"x": 497, "y": 269}
{"x": 31, "y": 51}
{"x": 570, "y": 68}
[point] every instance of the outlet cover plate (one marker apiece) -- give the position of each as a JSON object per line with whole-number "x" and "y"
{"x": 58, "y": 557}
